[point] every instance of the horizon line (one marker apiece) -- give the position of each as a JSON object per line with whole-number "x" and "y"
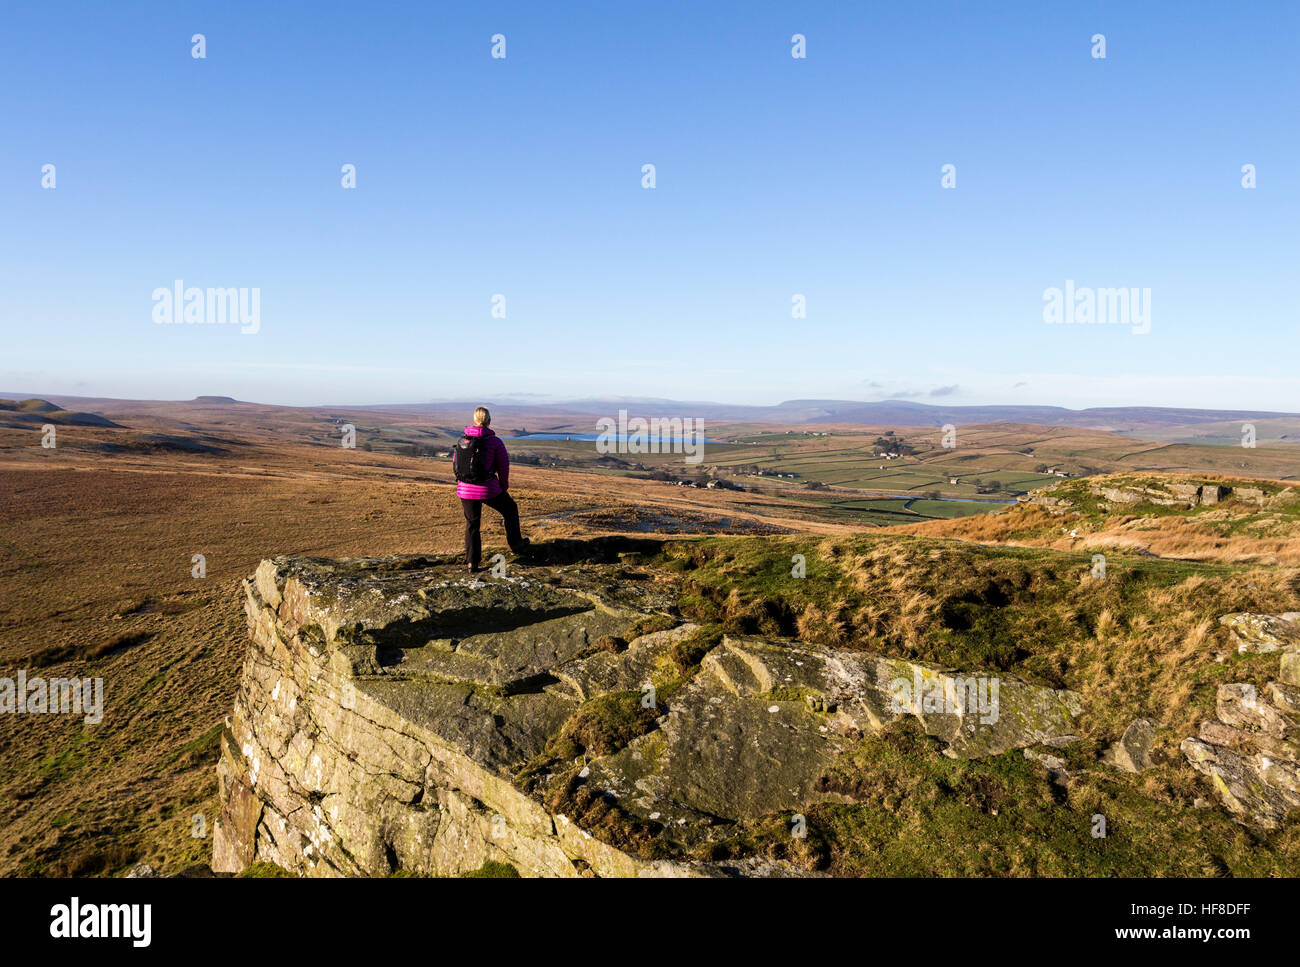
{"x": 507, "y": 400}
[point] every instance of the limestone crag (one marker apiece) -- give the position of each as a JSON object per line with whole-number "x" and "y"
{"x": 1118, "y": 494}
{"x": 1170, "y": 494}
{"x": 392, "y": 711}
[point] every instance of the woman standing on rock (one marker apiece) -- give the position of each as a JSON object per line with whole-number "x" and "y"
{"x": 482, "y": 468}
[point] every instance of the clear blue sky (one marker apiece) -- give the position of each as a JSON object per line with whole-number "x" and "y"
{"x": 775, "y": 176}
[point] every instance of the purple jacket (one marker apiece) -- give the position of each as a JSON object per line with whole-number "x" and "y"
{"x": 498, "y": 468}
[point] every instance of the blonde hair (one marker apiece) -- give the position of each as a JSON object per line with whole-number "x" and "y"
{"x": 482, "y": 417}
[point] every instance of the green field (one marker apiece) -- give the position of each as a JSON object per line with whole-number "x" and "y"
{"x": 887, "y": 511}
{"x": 857, "y": 468}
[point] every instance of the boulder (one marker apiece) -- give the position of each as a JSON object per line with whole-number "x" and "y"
{"x": 1252, "y": 495}
{"x": 1289, "y": 670}
{"x": 1212, "y": 494}
{"x": 1132, "y": 753}
{"x": 1246, "y": 785}
{"x": 1286, "y": 699}
{"x": 1055, "y": 765}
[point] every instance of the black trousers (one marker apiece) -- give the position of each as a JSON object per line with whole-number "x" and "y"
{"x": 503, "y": 504}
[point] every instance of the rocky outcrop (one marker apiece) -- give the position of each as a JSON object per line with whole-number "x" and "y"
{"x": 1264, "y": 632}
{"x": 395, "y": 714}
{"x": 1166, "y": 494}
{"x": 1251, "y": 748}
{"x": 1126, "y": 494}
{"x": 1049, "y": 501}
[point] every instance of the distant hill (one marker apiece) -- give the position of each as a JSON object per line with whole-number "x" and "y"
{"x": 33, "y": 406}
{"x": 33, "y": 411}
{"x": 1118, "y": 419}
{"x": 1173, "y": 424}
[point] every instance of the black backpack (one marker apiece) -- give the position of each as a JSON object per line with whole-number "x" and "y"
{"x": 469, "y": 460}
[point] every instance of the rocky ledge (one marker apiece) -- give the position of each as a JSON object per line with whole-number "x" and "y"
{"x": 396, "y": 714}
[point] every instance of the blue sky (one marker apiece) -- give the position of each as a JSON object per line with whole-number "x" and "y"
{"x": 775, "y": 176}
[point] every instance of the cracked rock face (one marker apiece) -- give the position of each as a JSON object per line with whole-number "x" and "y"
{"x": 1251, "y": 749}
{"x": 389, "y": 710}
{"x": 384, "y": 707}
